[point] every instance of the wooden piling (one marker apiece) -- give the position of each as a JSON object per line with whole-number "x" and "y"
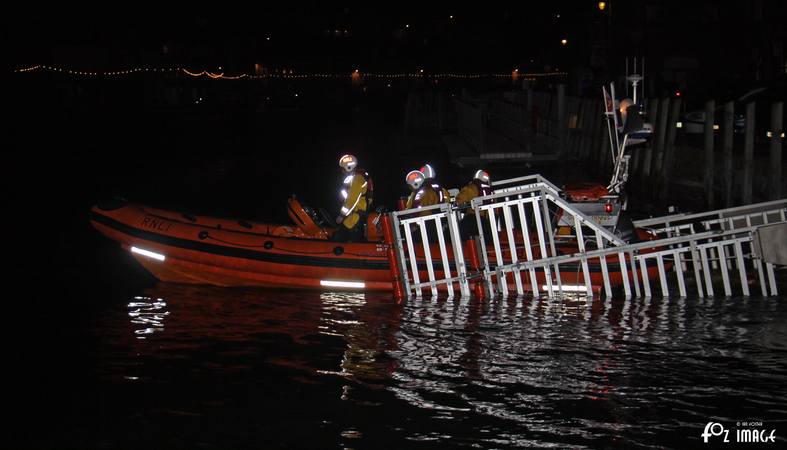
{"x": 594, "y": 123}
{"x": 727, "y": 139}
{"x": 584, "y": 119}
{"x": 661, "y": 132}
{"x": 588, "y": 120}
{"x": 590, "y": 155}
{"x": 777, "y": 128}
{"x": 576, "y": 147}
{"x": 529, "y": 103}
{"x": 669, "y": 147}
{"x": 647, "y": 159}
{"x": 522, "y": 121}
{"x": 748, "y": 155}
{"x": 710, "y": 120}
{"x": 581, "y": 124}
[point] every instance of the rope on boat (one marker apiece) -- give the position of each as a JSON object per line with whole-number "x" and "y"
{"x": 269, "y": 245}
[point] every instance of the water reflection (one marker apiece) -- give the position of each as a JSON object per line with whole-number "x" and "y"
{"x": 149, "y": 313}
{"x": 338, "y": 311}
{"x": 520, "y": 371}
{"x": 345, "y": 315}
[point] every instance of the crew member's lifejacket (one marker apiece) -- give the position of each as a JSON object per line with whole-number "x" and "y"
{"x": 473, "y": 189}
{"x": 442, "y": 193}
{"x": 483, "y": 188}
{"x": 428, "y": 195}
{"x": 357, "y": 195}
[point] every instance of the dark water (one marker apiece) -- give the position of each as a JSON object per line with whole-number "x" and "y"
{"x": 198, "y": 367}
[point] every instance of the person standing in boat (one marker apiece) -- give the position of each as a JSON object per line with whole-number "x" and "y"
{"x": 479, "y": 186}
{"x": 356, "y": 195}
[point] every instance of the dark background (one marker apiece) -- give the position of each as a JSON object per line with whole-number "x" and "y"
{"x": 239, "y": 148}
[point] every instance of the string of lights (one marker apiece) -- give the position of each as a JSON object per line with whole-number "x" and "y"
{"x": 286, "y": 74}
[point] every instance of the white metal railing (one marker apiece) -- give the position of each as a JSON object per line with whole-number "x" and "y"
{"x": 518, "y": 247}
{"x": 736, "y": 218}
{"x": 524, "y": 182}
{"x": 775, "y": 209}
{"x": 422, "y": 219}
{"x": 536, "y": 199}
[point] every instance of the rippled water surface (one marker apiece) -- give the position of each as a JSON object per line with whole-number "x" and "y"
{"x": 197, "y": 367}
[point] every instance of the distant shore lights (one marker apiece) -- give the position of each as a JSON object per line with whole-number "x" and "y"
{"x": 258, "y": 71}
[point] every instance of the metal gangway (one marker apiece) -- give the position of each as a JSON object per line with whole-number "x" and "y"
{"x": 524, "y": 246}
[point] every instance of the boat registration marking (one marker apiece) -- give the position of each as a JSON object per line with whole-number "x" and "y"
{"x": 155, "y": 223}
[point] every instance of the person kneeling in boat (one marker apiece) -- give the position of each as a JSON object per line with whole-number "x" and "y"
{"x": 479, "y": 186}
{"x": 422, "y": 195}
{"x": 356, "y": 196}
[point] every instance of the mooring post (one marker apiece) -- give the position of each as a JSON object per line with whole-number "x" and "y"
{"x": 661, "y": 132}
{"x": 669, "y": 152}
{"x": 777, "y": 128}
{"x": 635, "y": 161}
{"x": 710, "y": 119}
{"x": 522, "y": 122}
{"x": 647, "y": 160}
{"x": 576, "y": 146}
{"x": 729, "y": 120}
{"x": 587, "y": 119}
{"x": 748, "y": 155}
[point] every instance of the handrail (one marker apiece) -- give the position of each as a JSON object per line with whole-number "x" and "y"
{"x": 720, "y": 213}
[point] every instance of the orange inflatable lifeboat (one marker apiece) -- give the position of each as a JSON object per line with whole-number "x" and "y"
{"x": 184, "y": 248}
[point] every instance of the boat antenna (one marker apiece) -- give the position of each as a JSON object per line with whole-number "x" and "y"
{"x": 643, "y": 80}
{"x": 627, "y": 74}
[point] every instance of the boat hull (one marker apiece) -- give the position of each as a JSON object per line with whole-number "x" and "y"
{"x": 202, "y": 254}
{"x": 183, "y": 248}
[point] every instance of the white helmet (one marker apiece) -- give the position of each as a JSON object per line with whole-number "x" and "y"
{"x": 415, "y": 179}
{"x": 482, "y": 176}
{"x": 428, "y": 171}
{"x": 348, "y": 163}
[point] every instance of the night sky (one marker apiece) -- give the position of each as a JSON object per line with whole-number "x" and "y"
{"x": 496, "y": 37}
